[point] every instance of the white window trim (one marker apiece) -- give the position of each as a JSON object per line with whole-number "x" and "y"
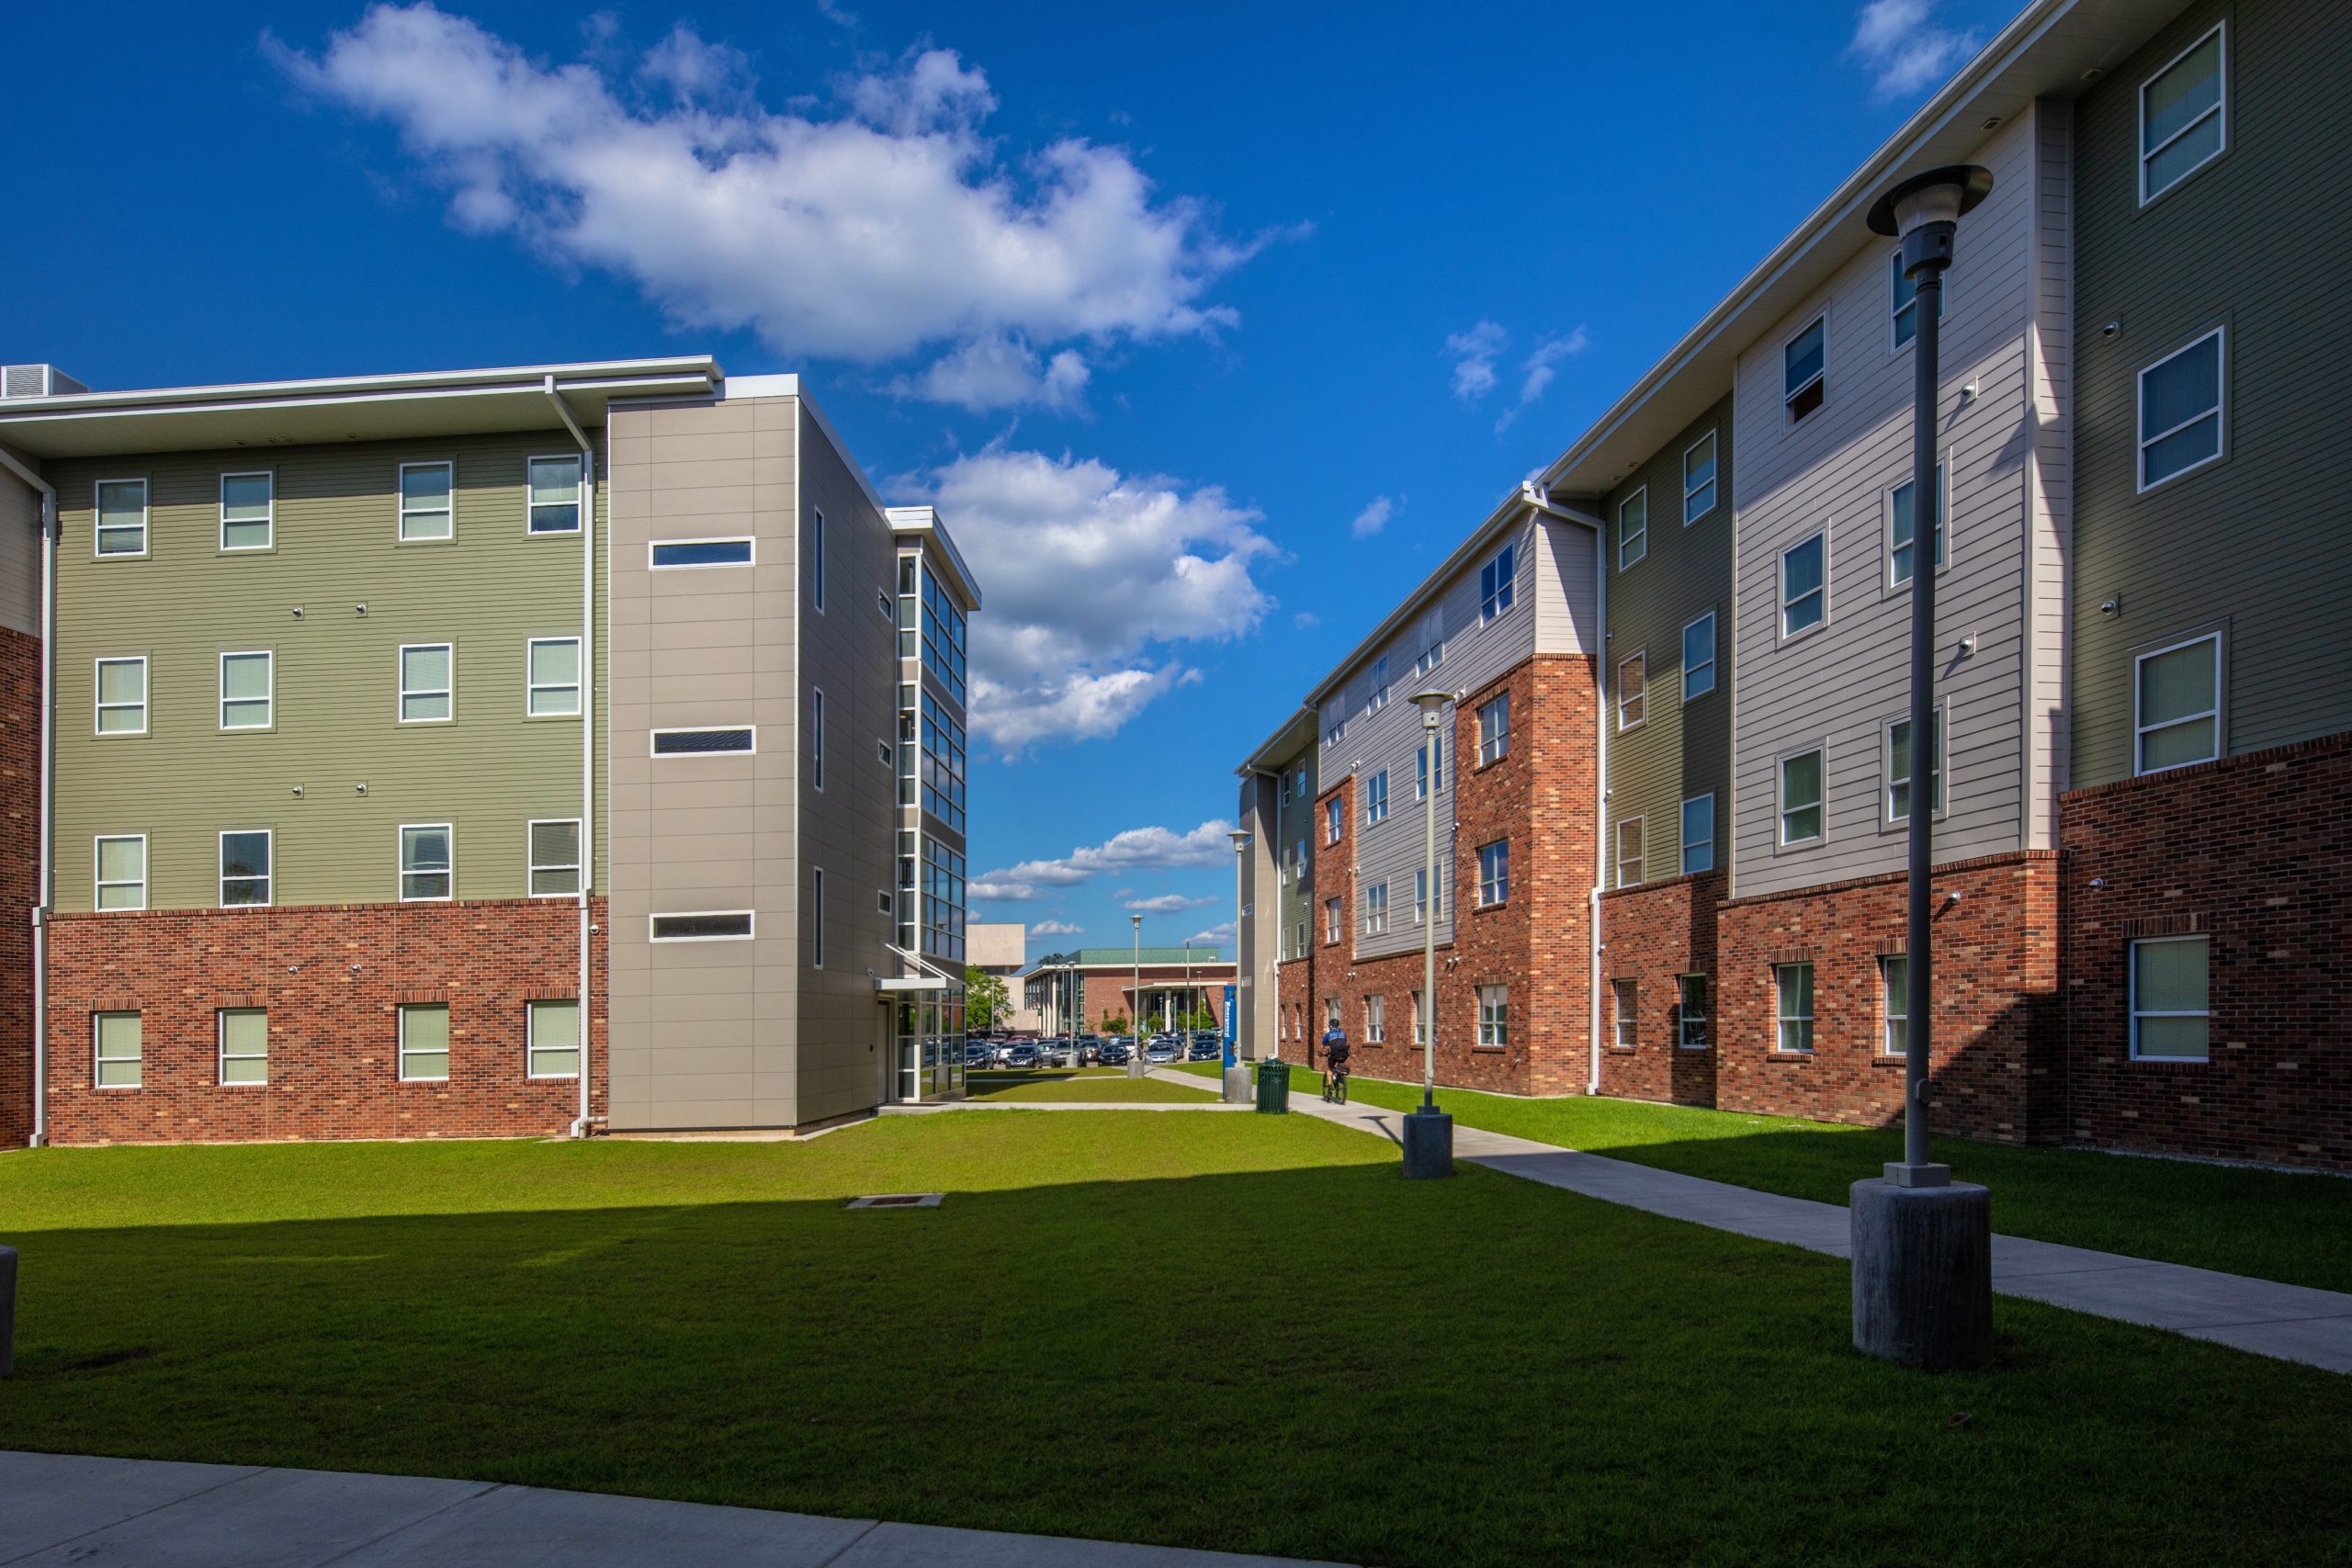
{"x": 1790, "y": 394}
{"x": 1641, "y": 494}
{"x": 2220, "y": 109}
{"x": 1681, "y": 822}
{"x": 401, "y": 692}
{"x": 270, "y": 522}
{"x": 99, "y": 705}
{"x": 579, "y": 499}
{"x": 400, "y": 535}
{"x": 1479, "y": 855}
{"x": 531, "y": 1038}
{"x": 1714, "y": 657}
{"x": 1943, "y": 304}
{"x": 2220, "y": 414}
{"x": 1887, "y": 1011}
{"x": 652, "y": 738}
{"x": 221, "y": 712}
{"x": 1682, "y": 1018}
{"x": 399, "y": 1029}
{"x": 2131, "y": 995}
{"x": 653, "y": 930}
{"x": 1641, "y": 824}
{"x": 1781, "y": 615}
{"x": 98, "y": 884}
{"x": 1782, "y": 1018}
{"x": 221, "y": 1057}
{"x": 1503, "y": 586}
{"x": 97, "y": 1046}
{"x": 1335, "y": 821}
{"x": 1890, "y": 584}
{"x": 1887, "y": 821}
{"x": 1375, "y": 799}
{"x": 1780, "y": 841}
{"x": 401, "y": 871}
{"x": 749, "y": 541}
{"x": 532, "y": 867}
{"x": 533, "y": 688}
{"x": 146, "y": 519}
{"x": 1713, "y": 440}
{"x": 221, "y": 874}
{"x": 1641, "y": 657}
{"x": 1500, "y": 739}
{"x": 1624, "y": 1023}
{"x": 1501, "y": 1021}
{"x": 1376, "y": 1019}
{"x": 2220, "y": 688}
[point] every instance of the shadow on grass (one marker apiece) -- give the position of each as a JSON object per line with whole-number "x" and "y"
{"x": 1320, "y": 1361}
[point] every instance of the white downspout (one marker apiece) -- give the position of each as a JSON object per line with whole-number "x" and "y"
{"x": 47, "y": 789}
{"x": 587, "y": 735}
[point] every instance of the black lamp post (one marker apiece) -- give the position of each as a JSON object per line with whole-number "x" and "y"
{"x": 1922, "y": 1244}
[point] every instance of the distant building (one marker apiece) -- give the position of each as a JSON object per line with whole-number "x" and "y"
{"x": 1085, "y": 987}
{"x": 1001, "y": 948}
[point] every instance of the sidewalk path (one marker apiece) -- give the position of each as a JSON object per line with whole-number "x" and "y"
{"x": 2293, "y": 1323}
{"x": 58, "y": 1508}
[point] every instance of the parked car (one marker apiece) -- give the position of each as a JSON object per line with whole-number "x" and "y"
{"x": 1022, "y": 1055}
{"x": 1090, "y": 1050}
{"x": 1205, "y": 1051}
{"x": 1053, "y": 1053}
{"x": 1113, "y": 1053}
{"x": 976, "y": 1053}
{"x": 1160, "y": 1052}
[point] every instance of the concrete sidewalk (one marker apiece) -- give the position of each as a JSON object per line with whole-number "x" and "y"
{"x": 58, "y": 1508}
{"x": 2291, "y": 1323}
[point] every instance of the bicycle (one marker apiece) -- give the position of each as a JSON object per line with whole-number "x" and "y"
{"x": 1335, "y": 1084}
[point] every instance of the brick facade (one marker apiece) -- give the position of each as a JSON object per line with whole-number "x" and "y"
{"x": 2256, "y": 852}
{"x": 19, "y": 875}
{"x": 1651, "y": 936}
{"x": 332, "y": 977}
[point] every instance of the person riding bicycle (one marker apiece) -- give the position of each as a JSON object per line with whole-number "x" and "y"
{"x": 1335, "y": 1055}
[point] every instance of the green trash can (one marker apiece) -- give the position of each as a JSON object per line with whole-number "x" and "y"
{"x": 1273, "y": 1087}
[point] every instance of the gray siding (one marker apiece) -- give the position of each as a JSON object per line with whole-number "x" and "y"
{"x": 1840, "y": 684}
{"x": 2258, "y": 541}
{"x": 1258, "y": 943}
{"x": 2049, "y": 475}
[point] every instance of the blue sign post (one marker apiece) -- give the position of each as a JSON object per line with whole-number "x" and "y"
{"x": 1229, "y": 1027}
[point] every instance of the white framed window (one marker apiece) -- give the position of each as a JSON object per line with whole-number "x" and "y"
{"x": 121, "y": 861}
{"x": 552, "y": 848}
{"x": 1494, "y": 873}
{"x": 1633, "y": 690}
{"x": 248, "y": 510}
{"x": 1691, "y": 1013}
{"x": 1420, "y": 1021}
{"x": 121, "y": 528}
{"x": 1330, "y": 920}
{"x": 116, "y": 1043}
{"x": 1330, "y": 1012}
{"x": 1299, "y": 864}
{"x": 1624, "y": 1008}
{"x": 554, "y": 485}
{"x": 717, "y": 740}
{"x": 1633, "y": 527}
{"x": 1800, "y": 804}
{"x": 1805, "y": 360}
{"x": 705, "y": 925}
{"x": 122, "y": 696}
{"x": 2184, "y": 114}
{"x": 1494, "y": 729}
{"x": 1699, "y": 833}
{"x": 247, "y": 857}
{"x": 1432, "y": 642}
{"x": 551, "y": 1033}
{"x": 1379, "y": 698}
{"x": 2182, "y": 403}
{"x": 1375, "y": 1019}
{"x": 428, "y": 672}
{"x": 1494, "y": 1015}
{"x": 1420, "y": 896}
{"x": 1792, "y": 1006}
{"x": 681, "y": 555}
{"x": 1894, "y": 766}
{"x": 1698, "y": 656}
{"x": 1629, "y": 852}
{"x": 2171, "y": 998}
{"x": 428, "y": 503}
{"x": 1497, "y": 580}
{"x": 1375, "y": 908}
{"x": 817, "y": 737}
{"x": 551, "y": 677}
{"x": 2176, "y": 701}
{"x": 248, "y": 689}
{"x": 1375, "y": 799}
{"x": 1334, "y": 820}
{"x": 1895, "y": 1005}
{"x": 817, "y": 560}
{"x": 1805, "y": 585}
{"x": 1902, "y": 527}
{"x": 1423, "y": 754}
{"x": 817, "y": 917}
{"x": 244, "y": 1045}
{"x": 1903, "y": 303}
{"x": 427, "y": 862}
{"x": 424, "y": 1041}
{"x": 1699, "y": 479}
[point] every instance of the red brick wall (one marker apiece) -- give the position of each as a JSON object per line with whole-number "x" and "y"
{"x": 19, "y": 875}
{"x": 1556, "y": 878}
{"x": 1653, "y": 935}
{"x": 2256, "y": 852}
{"x": 1296, "y": 1004}
{"x": 331, "y": 978}
{"x": 1996, "y": 978}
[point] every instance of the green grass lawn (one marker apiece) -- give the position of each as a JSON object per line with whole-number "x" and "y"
{"x": 1234, "y": 1332}
{"x": 1100, "y": 1085}
{"x": 2276, "y": 1224}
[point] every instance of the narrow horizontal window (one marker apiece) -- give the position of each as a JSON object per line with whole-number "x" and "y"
{"x": 702, "y": 742}
{"x": 670, "y": 553}
{"x": 428, "y": 494}
{"x": 555, "y": 494}
{"x": 122, "y": 518}
{"x": 246, "y": 511}
{"x": 728, "y": 926}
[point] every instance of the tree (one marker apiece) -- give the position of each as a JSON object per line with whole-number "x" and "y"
{"x": 986, "y": 998}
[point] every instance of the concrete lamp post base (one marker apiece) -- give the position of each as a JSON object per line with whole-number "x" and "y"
{"x": 1238, "y": 1088}
{"x": 1429, "y": 1143}
{"x": 1923, "y": 1273}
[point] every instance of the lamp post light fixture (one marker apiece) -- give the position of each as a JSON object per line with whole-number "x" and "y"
{"x": 1136, "y": 1066}
{"x": 1922, "y": 1244}
{"x": 1429, "y": 1131}
{"x": 1237, "y": 1075}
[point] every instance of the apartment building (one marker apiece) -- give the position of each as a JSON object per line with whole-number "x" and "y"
{"x": 484, "y": 752}
{"x": 2139, "y": 773}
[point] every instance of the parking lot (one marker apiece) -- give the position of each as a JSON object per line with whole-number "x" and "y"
{"x": 1028, "y": 1053}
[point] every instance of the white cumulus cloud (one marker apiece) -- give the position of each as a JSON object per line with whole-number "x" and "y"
{"x": 1001, "y": 372}
{"x": 1900, "y": 42}
{"x": 1166, "y": 904}
{"x": 1541, "y": 368}
{"x": 1373, "y": 517}
{"x": 1056, "y": 928}
{"x": 1137, "y": 849}
{"x": 1473, "y": 353}
{"x": 1216, "y": 936}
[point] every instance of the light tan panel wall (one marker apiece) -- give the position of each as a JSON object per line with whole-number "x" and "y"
{"x": 19, "y": 552}
{"x": 703, "y": 1033}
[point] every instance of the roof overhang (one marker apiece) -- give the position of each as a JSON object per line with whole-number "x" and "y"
{"x": 898, "y": 983}
{"x": 1295, "y": 735}
{"x": 922, "y": 522}
{"x": 263, "y": 414}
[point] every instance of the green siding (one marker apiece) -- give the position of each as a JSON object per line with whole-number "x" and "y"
{"x": 488, "y": 772}
{"x": 2262, "y": 540}
{"x": 1679, "y": 750}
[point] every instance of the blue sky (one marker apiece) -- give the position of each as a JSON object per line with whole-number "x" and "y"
{"x": 1210, "y": 328}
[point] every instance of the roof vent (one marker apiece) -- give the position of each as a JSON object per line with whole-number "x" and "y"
{"x": 37, "y": 381}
